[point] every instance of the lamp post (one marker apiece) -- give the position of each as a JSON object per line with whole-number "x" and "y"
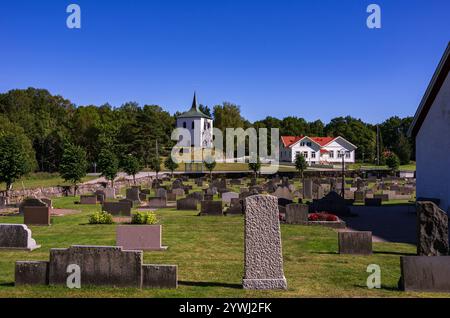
{"x": 343, "y": 173}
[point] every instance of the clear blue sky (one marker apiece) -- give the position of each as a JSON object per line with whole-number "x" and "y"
{"x": 314, "y": 59}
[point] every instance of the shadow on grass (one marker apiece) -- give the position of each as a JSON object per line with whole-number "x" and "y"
{"x": 7, "y": 284}
{"x": 395, "y": 253}
{"x": 383, "y": 287}
{"x": 210, "y": 284}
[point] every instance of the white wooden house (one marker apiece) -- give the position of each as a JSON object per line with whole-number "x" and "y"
{"x": 431, "y": 130}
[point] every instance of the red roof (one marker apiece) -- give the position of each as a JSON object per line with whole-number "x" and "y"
{"x": 288, "y": 141}
{"x": 323, "y": 151}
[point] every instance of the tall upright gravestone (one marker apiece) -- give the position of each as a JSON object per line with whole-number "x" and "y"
{"x": 263, "y": 252}
{"x": 432, "y": 230}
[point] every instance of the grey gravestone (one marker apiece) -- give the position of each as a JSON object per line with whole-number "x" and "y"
{"x": 179, "y": 192}
{"x": 31, "y": 273}
{"x": 161, "y": 193}
{"x": 263, "y": 251}
{"x": 359, "y": 196}
{"x": 100, "y": 266}
{"x": 159, "y": 276}
{"x": 133, "y": 194}
{"x": 16, "y": 237}
{"x": 432, "y": 230}
{"x": 171, "y": 196}
{"x": 110, "y": 193}
{"x": 236, "y": 207}
{"x": 188, "y": 204}
{"x": 331, "y": 203}
{"x": 31, "y": 202}
{"x": 228, "y": 196}
{"x": 296, "y": 213}
{"x": 211, "y": 208}
{"x": 359, "y": 243}
{"x": 196, "y": 195}
{"x": 307, "y": 189}
{"x": 283, "y": 193}
{"x": 157, "y": 203}
{"x": 101, "y": 196}
{"x": 425, "y": 273}
{"x": 117, "y": 208}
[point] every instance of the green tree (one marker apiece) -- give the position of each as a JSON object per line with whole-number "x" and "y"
{"x": 393, "y": 162}
{"x": 131, "y": 166}
{"x": 73, "y": 164}
{"x": 300, "y": 164}
{"x": 155, "y": 165}
{"x": 170, "y": 164}
{"x": 108, "y": 164}
{"x": 210, "y": 164}
{"x": 14, "y": 160}
{"x": 255, "y": 166}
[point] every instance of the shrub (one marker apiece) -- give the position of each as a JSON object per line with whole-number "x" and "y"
{"x": 322, "y": 216}
{"x": 148, "y": 218}
{"x": 101, "y": 218}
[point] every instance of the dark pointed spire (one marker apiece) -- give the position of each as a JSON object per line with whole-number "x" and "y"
{"x": 194, "y": 102}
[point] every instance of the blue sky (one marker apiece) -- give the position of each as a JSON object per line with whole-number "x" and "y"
{"x": 312, "y": 59}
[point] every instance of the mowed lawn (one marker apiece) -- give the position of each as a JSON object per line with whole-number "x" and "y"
{"x": 209, "y": 252}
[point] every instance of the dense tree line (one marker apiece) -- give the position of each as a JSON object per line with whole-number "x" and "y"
{"x": 43, "y": 124}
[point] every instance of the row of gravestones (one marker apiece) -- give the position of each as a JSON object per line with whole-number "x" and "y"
{"x": 114, "y": 266}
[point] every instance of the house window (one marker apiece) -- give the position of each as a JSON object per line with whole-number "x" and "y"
{"x": 331, "y": 154}
{"x": 184, "y": 125}
{"x": 347, "y": 154}
{"x": 340, "y": 154}
{"x": 313, "y": 155}
{"x": 308, "y": 144}
{"x": 305, "y": 154}
{"x": 302, "y": 144}
{"x": 297, "y": 154}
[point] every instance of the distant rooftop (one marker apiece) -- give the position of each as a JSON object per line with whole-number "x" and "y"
{"x": 194, "y": 112}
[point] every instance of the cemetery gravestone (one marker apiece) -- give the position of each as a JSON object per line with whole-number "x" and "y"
{"x": 296, "y": 213}
{"x": 432, "y": 224}
{"x": 263, "y": 251}
{"x": 425, "y": 273}
{"x": 188, "y": 204}
{"x": 284, "y": 193}
{"x": 133, "y": 194}
{"x": 36, "y": 215}
{"x": 307, "y": 189}
{"x": 88, "y": 199}
{"x": 118, "y": 208}
{"x": 359, "y": 243}
{"x": 140, "y": 237}
{"x": 16, "y": 237}
{"x": 157, "y": 203}
{"x": 227, "y": 196}
{"x": 211, "y": 208}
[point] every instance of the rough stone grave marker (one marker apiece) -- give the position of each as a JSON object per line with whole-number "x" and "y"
{"x": 263, "y": 252}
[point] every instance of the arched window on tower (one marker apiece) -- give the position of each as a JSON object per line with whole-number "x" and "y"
{"x": 193, "y": 125}
{"x": 184, "y": 125}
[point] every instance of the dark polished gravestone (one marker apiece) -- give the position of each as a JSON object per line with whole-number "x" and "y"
{"x": 432, "y": 230}
{"x": 359, "y": 243}
{"x": 332, "y": 203}
{"x": 211, "y": 208}
{"x": 263, "y": 250}
{"x": 109, "y": 266}
{"x": 117, "y": 208}
{"x": 188, "y": 204}
{"x": 425, "y": 274}
{"x": 36, "y": 215}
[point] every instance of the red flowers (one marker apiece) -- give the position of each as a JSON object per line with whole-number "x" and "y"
{"x": 322, "y": 216}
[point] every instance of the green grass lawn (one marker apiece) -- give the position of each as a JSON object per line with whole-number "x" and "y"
{"x": 39, "y": 180}
{"x": 209, "y": 252}
{"x": 356, "y": 166}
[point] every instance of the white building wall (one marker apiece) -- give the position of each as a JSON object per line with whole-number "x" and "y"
{"x": 338, "y": 145}
{"x": 197, "y": 133}
{"x": 313, "y": 149}
{"x": 433, "y": 150}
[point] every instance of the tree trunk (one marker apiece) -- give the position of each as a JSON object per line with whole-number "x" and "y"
{"x": 134, "y": 179}
{"x": 74, "y": 189}
{"x": 8, "y": 188}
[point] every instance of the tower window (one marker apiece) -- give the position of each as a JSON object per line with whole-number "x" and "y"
{"x": 192, "y": 125}
{"x": 184, "y": 125}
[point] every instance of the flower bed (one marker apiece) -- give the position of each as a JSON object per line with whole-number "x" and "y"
{"x": 323, "y": 217}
